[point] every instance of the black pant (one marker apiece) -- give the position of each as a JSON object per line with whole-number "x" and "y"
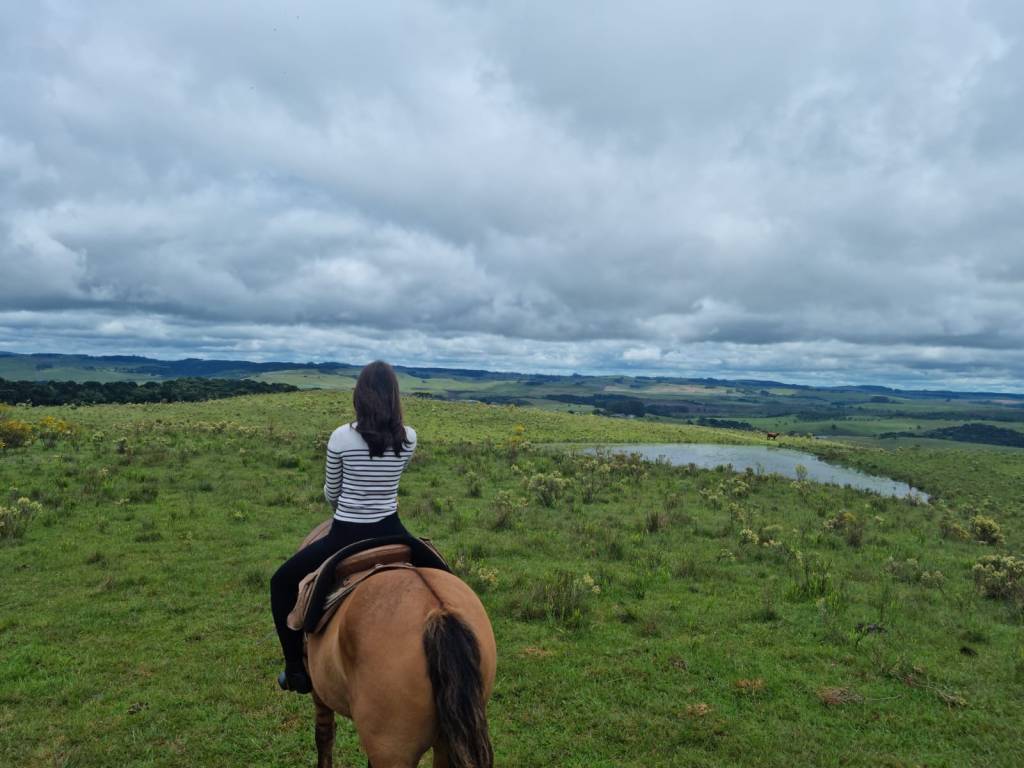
{"x": 284, "y": 584}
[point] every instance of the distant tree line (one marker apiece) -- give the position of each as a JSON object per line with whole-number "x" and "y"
{"x": 94, "y": 392}
{"x": 969, "y": 433}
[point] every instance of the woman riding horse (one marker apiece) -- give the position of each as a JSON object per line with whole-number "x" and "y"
{"x": 364, "y": 462}
{"x": 409, "y": 656}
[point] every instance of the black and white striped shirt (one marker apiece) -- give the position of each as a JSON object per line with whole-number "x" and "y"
{"x": 360, "y": 487}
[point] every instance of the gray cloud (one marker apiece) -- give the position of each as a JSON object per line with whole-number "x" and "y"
{"x": 790, "y": 189}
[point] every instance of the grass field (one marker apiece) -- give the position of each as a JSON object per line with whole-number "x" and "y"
{"x": 645, "y": 614}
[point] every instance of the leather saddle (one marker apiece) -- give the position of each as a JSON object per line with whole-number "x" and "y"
{"x": 323, "y": 590}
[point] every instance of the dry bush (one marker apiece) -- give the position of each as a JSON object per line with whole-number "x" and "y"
{"x": 749, "y": 686}
{"x": 834, "y": 697}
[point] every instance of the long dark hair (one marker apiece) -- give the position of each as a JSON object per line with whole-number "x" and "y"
{"x": 379, "y": 409}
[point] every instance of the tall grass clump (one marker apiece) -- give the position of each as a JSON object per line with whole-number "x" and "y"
{"x": 655, "y": 521}
{"x": 812, "y": 578}
{"x": 507, "y": 508}
{"x": 474, "y": 487}
{"x": 564, "y": 597}
{"x": 14, "y": 520}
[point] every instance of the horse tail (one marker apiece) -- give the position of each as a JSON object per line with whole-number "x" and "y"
{"x": 453, "y": 663}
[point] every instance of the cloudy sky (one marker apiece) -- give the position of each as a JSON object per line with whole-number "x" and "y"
{"x": 818, "y": 192}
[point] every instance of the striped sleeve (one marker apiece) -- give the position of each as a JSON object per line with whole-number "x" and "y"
{"x": 332, "y": 481}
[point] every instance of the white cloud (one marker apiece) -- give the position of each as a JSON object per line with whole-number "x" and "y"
{"x": 524, "y": 186}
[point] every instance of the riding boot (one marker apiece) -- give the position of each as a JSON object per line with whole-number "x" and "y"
{"x": 295, "y": 678}
{"x": 298, "y": 682}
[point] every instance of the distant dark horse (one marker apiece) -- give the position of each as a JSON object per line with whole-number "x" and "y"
{"x": 771, "y": 435}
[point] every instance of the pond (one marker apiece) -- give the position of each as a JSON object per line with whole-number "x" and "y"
{"x": 766, "y": 460}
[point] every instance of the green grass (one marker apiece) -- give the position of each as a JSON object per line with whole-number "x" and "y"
{"x": 305, "y": 379}
{"x": 637, "y": 623}
{"x": 22, "y": 370}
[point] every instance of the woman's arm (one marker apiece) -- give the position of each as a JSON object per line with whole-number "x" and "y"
{"x": 332, "y": 483}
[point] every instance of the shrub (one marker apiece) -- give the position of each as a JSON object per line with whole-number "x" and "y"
{"x": 766, "y": 536}
{"x": 986, "y": 529}
{"x": 592, "y": 475}
{"x": 1000, "y": 577}
{"x": 507, "y": 507}
{"x": 849, "y": 526}
{"x": 908, "y": 571}
{"x": 516, "y": 442}
{"x": 51, "y": 429}
{"x": 631, "y": 467}
{"x": 547, "y": 487}
{"x": 480, "y": 577}
{"x": 15, "y": 433}
{"x": 712, "y": 496}
{"x": 737, "y": 488}
{"x": 949, "y": 528}
{"x": 14, "y": 520}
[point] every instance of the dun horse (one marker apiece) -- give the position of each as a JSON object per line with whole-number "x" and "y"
{"x": 410, "y": 658}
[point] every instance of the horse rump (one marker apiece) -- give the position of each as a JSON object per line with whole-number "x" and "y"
{"x": 453, "y": 663}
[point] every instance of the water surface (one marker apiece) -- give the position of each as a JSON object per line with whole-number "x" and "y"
{"x": 765, "y": 459}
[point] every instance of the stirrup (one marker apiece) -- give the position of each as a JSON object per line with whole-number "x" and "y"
{"x": 294, "y": 681}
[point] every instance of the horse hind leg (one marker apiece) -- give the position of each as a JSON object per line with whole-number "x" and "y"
{"x": 325, "y": 730}
{"x": 391, "y": 737}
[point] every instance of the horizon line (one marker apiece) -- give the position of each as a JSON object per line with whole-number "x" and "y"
{"x": 634, "y": 374}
